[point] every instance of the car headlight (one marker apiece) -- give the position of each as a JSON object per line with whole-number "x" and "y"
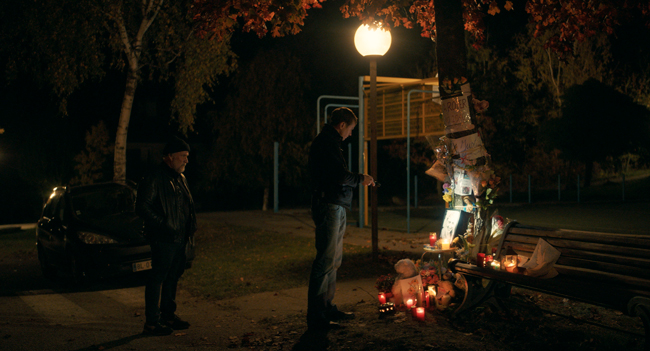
{"x": 94, "y": 239}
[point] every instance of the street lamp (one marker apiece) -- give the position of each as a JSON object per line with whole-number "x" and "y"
{"x": 373, "y": 42}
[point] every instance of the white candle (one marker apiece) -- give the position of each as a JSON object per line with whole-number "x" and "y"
{"x": 444, "y": 244}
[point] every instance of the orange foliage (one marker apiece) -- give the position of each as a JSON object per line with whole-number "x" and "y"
{"x": 421, "y": 12}
{"x": 217, "y": 18}
{"x": 577, "y": 20}
{"x": 573, "y": 20}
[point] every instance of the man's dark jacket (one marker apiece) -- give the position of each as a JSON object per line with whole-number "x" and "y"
{"x": 331, "y": 180}
{"x": 165, "y": 204}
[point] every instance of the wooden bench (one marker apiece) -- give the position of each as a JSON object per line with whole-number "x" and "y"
{"x": 610, "y": 270}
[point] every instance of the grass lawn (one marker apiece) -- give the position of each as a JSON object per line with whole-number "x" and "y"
{"x": 234, "y": 261}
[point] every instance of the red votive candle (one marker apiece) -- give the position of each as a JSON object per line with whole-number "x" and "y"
{"x": 419, "y": 313}
{"x": 480, "y": 260}
{"x": 426, "y": 299}
{"x": 432, "y": 239}
{"x": 382, "y": 298}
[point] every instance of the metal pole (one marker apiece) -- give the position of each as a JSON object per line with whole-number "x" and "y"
{"x": 276, "y": 178}
{"x": 373, "y": 156}
{"x": 366, "y": 214}
{"x": 362, "y": 160}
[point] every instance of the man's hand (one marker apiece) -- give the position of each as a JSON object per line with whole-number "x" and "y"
{"x": 367, "y": 180}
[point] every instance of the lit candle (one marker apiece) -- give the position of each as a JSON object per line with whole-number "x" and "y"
{"x": 432, "y": 239}
{"x": 419, "y": 313}
{"x": 382, "y": 298}
{"x": 409, "y": 303}
{"x": 510, "y": 263}
{"x": 426, "y": 299}
{"x": 444, "y": 244}
{"x": 496, "y": 265}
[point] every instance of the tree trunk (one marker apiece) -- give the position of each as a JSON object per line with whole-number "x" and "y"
{"x": 452, "y": 65}
{"x": 119, "y": 161}
{"x": 450, "y": 38}
{"x": 132, "y": 50}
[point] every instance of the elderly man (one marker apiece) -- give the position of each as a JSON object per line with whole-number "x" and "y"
{"x": 333, "y": 187}
{"x": 165, "y": 203}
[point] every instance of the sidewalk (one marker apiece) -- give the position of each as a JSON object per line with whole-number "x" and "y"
{"x": 11, "y": 228}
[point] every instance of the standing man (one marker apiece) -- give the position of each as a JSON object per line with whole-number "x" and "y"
{"x": 333, "y": 187}
{"x": 165, "y": 203}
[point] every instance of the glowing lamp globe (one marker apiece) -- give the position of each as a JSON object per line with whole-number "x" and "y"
{"x": 372, "y": 41}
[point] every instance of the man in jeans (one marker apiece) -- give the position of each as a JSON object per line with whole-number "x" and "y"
{"x": 165, "y": 203}
{"x": 333, "y": 187}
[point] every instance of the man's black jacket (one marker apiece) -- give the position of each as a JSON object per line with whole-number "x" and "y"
{"x": 331, "y": 180}
{"x": 162, "y": 195}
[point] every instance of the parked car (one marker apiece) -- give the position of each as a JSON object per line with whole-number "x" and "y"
{"x": 93, "y": 231}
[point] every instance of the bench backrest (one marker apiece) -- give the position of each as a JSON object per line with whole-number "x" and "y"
{"x": 621, "y": 259}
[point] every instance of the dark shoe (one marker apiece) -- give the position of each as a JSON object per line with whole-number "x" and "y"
{"x": 324, "y": 326}
{"x": 176, "y": 323}
{"x": 157, "y": 329}
{"x": 341, "y": 316}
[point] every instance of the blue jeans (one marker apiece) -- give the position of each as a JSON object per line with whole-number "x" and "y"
{"x": 167, "y": 266}
{"x": 330, "y": 223}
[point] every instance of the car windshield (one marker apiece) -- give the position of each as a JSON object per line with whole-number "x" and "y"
{"x": 98, "y": 203}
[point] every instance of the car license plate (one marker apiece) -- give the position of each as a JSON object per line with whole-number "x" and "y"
{"x": 141, "y": 266}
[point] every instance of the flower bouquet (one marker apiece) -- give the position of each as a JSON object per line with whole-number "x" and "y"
{"x": 429, "y": 276}
{"x": 385, "y": 284}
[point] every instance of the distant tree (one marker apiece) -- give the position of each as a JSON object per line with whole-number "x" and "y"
{"x": 66, "y": 43}
{"x": 539, "y": 69}
{"x": 266, "y": 103}
{"x": 597, "y": 122}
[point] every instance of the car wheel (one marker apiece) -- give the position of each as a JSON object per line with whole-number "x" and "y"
{"x": 48, "y": 271}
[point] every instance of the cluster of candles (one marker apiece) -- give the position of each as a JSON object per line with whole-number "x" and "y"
{"x": 444, "y": 243}
{"x": 483, "y": 260}
{"x": 509, "y": 263}
{"x": 418, "y": 312}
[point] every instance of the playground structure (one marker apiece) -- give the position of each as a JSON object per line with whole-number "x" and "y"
{"x": 406, "y": 108}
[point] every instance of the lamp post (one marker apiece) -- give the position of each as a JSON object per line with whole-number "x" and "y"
{"x": 373, "y": 42}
